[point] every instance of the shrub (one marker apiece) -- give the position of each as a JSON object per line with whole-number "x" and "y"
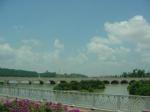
{"x": 1, "y": 83}
{"x": 52, "y": 82}
{"x": 41, "y": 82}
{"x": 84, "y": 85}
{"x": 31, "y": 106}
{"x": 132, "y": 81}
{"x": 140, "y": 88}
{"x": 106, "y": 82}
{"x": 3, "y": 108}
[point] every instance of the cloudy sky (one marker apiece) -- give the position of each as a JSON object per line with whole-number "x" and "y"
{"x": 93, "y": 37}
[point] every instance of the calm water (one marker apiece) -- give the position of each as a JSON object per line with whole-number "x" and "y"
{"x": 116, "y": 89}
{"x": 110, "y": 89}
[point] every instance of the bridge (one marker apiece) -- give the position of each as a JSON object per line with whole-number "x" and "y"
{"x": 47, "y": 80}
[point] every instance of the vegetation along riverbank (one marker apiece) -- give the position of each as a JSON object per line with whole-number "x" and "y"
{"x": 84, "y": 85}
{"x": 139, "y": 88}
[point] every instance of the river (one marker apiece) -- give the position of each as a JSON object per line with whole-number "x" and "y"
{"x": 118, "y": 89}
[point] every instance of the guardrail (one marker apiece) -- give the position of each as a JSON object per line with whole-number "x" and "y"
{"x": 82, "y": 99}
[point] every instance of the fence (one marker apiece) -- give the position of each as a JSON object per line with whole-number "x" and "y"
{"x": 82, "y": 99}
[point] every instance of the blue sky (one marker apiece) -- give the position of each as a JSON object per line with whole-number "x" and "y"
{"x": 75, "y": 35}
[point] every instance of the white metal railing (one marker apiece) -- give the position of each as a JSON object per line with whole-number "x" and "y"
{"x": 82, "y": 99}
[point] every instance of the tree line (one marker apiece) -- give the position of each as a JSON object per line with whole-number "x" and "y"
{"x": 5, "y": 72}
{"x": 136, "y": 73}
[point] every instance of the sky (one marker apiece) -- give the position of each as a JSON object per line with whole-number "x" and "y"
{"x": 92, "y": 37}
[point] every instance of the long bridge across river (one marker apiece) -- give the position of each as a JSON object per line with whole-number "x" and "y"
{"x": 47, "y": 80}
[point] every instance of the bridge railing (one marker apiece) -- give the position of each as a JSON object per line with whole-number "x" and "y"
{"x": 82, "y": 99}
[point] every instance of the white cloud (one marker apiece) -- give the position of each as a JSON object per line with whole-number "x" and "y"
{"x": 58, "y": 48}
{"x": 136, "y": 29}
{"x": 6, "y": 52}
{"x": 146, "y": 58}
{"x": 102, "y": 47}
{"x": 80, "y": 58}
{"x": 122, "y": 37}
{"x": 22, "y": 57}
{"x": 31, "y": 42}
{"x": 58, "y": 44}
{"x": 99, "y": 47}
{"x": 125, "y": 46}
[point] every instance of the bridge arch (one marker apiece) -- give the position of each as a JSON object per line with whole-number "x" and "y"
{"x": 52, "y": 82}
{"x": 124, "y": 82}
{"x": 41, "y": 82}
{"x": 115, "y": 82}
{"x": 30, "y": 82}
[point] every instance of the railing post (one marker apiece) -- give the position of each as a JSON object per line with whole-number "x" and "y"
{"x": 118, "y": 102}
{"x": 41, "y": 95}
{"x": 130, "y": 104}
{"x": 18, "y": 92}
{"x": 28, "y": 93}
{"x": 147, "y": 104}
{"x": 94, "y": 100}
